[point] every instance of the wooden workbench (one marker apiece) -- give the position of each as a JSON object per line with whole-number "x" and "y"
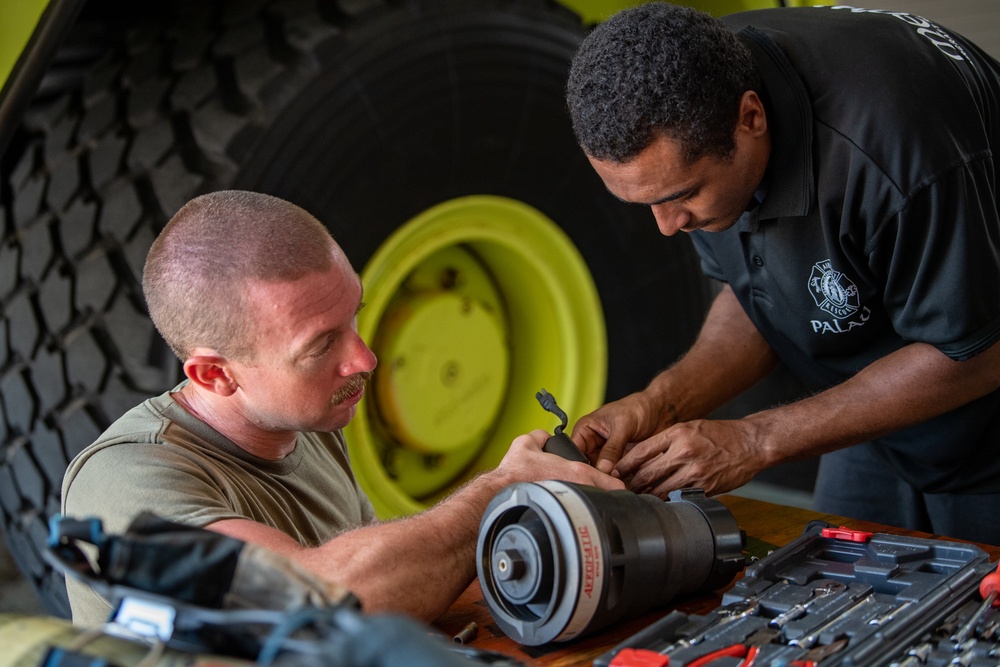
{"x": 763, "y": 523}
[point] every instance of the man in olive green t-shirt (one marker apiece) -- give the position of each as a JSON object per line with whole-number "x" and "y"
{"x": 260, "y": 304}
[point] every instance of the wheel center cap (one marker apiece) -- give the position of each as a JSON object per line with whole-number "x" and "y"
{"x": 442, "y": 374}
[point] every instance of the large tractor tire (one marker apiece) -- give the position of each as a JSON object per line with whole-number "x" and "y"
{"x": 431, "y": 138}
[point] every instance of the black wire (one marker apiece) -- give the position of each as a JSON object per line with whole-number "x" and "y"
{"x": 548, "y": 401}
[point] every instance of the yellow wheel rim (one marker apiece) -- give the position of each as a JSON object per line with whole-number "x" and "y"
{"x": 472, "y": 307}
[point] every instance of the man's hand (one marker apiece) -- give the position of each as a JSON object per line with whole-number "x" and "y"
{"x": 713, "y": 455}
{"x": 606, "y": 434}
{"x": 728, "y": 357}
{"x": 526, "y": 462}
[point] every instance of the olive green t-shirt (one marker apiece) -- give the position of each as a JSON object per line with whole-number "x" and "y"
{"x": 158, "y": 457}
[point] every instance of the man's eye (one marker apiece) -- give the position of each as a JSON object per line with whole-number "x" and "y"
{"x": 323, "y": 350}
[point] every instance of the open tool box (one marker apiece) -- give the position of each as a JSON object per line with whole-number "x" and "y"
{"x": 837, "y": 597}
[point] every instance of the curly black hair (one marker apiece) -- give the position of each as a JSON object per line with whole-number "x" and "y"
{"x": 658, "y": 69}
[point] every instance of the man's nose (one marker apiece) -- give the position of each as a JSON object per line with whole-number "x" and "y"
{"x": 360, "y": 360}
{"x": 670, "y": 218}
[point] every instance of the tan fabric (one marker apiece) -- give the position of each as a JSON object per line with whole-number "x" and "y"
{"x": 157, "y": 457}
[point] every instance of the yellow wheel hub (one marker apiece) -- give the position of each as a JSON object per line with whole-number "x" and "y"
{"x": 438, "y": 393}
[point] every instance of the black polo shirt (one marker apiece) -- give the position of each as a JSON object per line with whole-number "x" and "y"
{"x": 879, "y": 224}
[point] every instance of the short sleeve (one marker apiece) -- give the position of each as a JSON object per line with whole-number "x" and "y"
{"x": 941, "y": 261}
{"x": 115, "y": 483}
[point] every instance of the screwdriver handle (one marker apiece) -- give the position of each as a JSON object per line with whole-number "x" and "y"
{"x": 990, "y": 585}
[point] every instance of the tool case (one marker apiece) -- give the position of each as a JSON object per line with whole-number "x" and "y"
{"x": 836, "y": 597}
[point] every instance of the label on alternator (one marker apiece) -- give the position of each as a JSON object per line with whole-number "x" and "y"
{"x": 590, "y": 585}
{"x": 591, "y": 560}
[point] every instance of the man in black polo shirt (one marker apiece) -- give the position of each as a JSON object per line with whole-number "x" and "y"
{"x": 836, "y": 169}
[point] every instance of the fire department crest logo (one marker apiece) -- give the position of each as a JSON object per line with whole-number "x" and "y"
{"x": 832, "y": 291}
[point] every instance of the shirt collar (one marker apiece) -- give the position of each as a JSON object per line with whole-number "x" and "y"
{"x": 788, "y": 181}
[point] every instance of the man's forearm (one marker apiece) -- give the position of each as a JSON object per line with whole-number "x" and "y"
{"x": 728, "y": 357}
{"x": 417, "y": 565}
{"x": 907, "y": 387}
{"x": 421, "y": 563}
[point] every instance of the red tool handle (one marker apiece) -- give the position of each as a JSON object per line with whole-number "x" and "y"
{"x": 734, "y": 651}
{"x": 990, "y": 585}
{"x": 639, "y": 657}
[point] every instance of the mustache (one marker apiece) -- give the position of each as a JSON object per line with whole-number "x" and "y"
{"x": 354, "y": 384}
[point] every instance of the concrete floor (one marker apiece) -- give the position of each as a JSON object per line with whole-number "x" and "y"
{"x": 979, "y": 20}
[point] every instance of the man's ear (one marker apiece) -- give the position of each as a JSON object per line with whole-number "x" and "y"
{"x": 212, "y": 373}
{"x": 752, "y": 118}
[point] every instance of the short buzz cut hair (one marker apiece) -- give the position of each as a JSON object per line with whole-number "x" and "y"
{"x": 198, "y": 268}
{"x": 658, "y": 70}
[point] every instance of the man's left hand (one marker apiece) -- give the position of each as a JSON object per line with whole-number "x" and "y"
{"x": 714, "y": 455}
{"x": 526, "y": 462}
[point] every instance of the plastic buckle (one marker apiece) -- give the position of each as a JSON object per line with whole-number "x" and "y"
{"x": 845, "y": 533}
{"x": 144, "y": 618}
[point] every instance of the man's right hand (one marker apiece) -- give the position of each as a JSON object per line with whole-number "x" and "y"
{"x": 608, "y": 433}
{"x": 526, "y": 462}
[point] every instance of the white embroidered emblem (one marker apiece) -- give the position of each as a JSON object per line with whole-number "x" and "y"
{"x": 833, "y": 291}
